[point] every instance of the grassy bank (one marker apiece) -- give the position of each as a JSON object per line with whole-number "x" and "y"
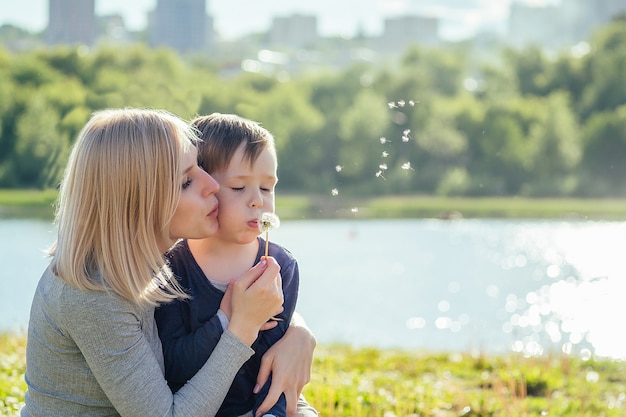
{"x": 35, "y": 203}
{"x": 393, "y": 383}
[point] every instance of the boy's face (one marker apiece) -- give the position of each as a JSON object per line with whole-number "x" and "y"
{"x": 245, "y": 192}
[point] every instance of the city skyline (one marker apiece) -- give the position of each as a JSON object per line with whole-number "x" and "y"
{"x": 233, "y": 18}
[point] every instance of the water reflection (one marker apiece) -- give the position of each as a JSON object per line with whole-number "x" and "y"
{"x": 492, "y": 285}
{"x": 580, "y": 288}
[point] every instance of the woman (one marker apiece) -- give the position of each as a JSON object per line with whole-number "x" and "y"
{"x": 132, "y": 187}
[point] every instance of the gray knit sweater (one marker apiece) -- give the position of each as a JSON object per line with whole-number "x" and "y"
{"x": 92, "y": 353}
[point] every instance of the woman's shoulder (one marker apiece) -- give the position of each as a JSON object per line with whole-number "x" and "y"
{"x": 69, "y": 306}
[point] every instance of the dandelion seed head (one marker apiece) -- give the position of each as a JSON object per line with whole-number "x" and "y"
{"x": 334, "y": 192}
{"x": 268, "y": 220}
{"x": 338, "y": 168}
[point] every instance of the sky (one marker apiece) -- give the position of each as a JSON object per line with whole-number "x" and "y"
{"x": 233, "y": 18}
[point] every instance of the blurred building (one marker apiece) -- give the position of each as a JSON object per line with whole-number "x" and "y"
{"x": 401, "y": 31}
{"x": 71, "y": 22}
{"x": 566, "y": 24}
{"x": 539, "y": 25}
{"x": 182, "y": 25}
{"x": 294, "y": 31}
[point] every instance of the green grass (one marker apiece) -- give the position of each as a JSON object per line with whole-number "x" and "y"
{"x": 450, "y": 208}
{"x": 27, "y": 203}
{"x": 12, "y": 367}
{"x": 368, "y": 382}
{"x": 36, "y": 203}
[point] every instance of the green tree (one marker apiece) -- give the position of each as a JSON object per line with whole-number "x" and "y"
{"x": 360, "y": 130}
{"x": 287, "y": 113}
{"x": 556, "y": 147}
{"x": 332, "y": 94}
{"x": 529, "y": 66}
{"x": 503, "y": 156}
{"x": 605, "y": 71}
{"x": 41, "y": 150}
{"x": 604, "y": 139}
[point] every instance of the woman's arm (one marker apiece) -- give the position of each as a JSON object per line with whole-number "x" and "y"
{"x": 120, "y": 345}
{"x": 289, "y": 360}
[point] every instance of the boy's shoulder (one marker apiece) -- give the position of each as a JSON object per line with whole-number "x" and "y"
{"x": 278, "y": 251}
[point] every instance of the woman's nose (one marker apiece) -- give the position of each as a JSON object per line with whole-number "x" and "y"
{"x": 211, "y": 186}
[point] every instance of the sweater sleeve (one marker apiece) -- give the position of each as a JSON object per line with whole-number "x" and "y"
{"x": 109, "y": 332}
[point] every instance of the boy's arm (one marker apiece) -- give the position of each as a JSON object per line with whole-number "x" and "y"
{"x": 184, "y": 351}
{"x": 289, "y": 360}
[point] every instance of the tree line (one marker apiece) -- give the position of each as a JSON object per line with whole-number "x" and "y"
{"x": 435, "y": 121}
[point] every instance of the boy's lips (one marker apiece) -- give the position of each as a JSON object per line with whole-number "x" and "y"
{"x": 253, "y": 224}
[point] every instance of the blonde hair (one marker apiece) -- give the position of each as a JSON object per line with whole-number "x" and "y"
{"x": 120, "y": 190}
{"x": 222, "y": 134}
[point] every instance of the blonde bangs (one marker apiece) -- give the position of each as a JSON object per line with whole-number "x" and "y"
{"x": 119, "y": 194}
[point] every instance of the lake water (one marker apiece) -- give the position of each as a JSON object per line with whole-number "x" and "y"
{"x": 437, "y": 285}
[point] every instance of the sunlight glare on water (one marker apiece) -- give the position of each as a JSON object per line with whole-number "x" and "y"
{"x": 584, "y": 299}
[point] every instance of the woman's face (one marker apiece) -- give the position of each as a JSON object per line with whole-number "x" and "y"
{"x": 196, "y": 214}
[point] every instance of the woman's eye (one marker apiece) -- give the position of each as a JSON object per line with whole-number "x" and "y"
{"x": 237, "y": 188}
{"x": 187, "y": 183}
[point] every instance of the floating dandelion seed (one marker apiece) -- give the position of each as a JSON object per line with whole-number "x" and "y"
{"x": 355, "y": 209}
{"x": 383, "y": 167}
{"x": 334, "y": 192}
{"x": 338, "y": 168}
{"x": 385, "y": 154}
{"x": 406, "y": 166}
{"x": 379, "y": 174}
{"x": 401, "y": 103}
{"x": 411, "y": 103}
{"x": 383, "y": 140}
{"x": 406, "y": 135}
{"x": 267, "y": 221}
{"x": 392, "y": 105}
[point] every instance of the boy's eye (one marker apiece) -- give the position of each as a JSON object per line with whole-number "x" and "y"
{"x": 269, "y": 190}
{"x": 237, "y": 188}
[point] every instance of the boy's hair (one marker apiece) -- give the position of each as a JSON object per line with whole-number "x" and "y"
{"x": 118, "y": 195}
{"x": 221, "y": 136}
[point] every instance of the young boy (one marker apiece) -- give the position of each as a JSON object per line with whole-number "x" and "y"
{"x": 241, "y": 156}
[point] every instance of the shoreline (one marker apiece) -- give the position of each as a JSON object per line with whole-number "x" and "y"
{"x": 40, "y": 204}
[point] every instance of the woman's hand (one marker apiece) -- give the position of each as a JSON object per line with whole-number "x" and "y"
{"x": 254, "y": 298}
{"x": 289, "y": 361}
